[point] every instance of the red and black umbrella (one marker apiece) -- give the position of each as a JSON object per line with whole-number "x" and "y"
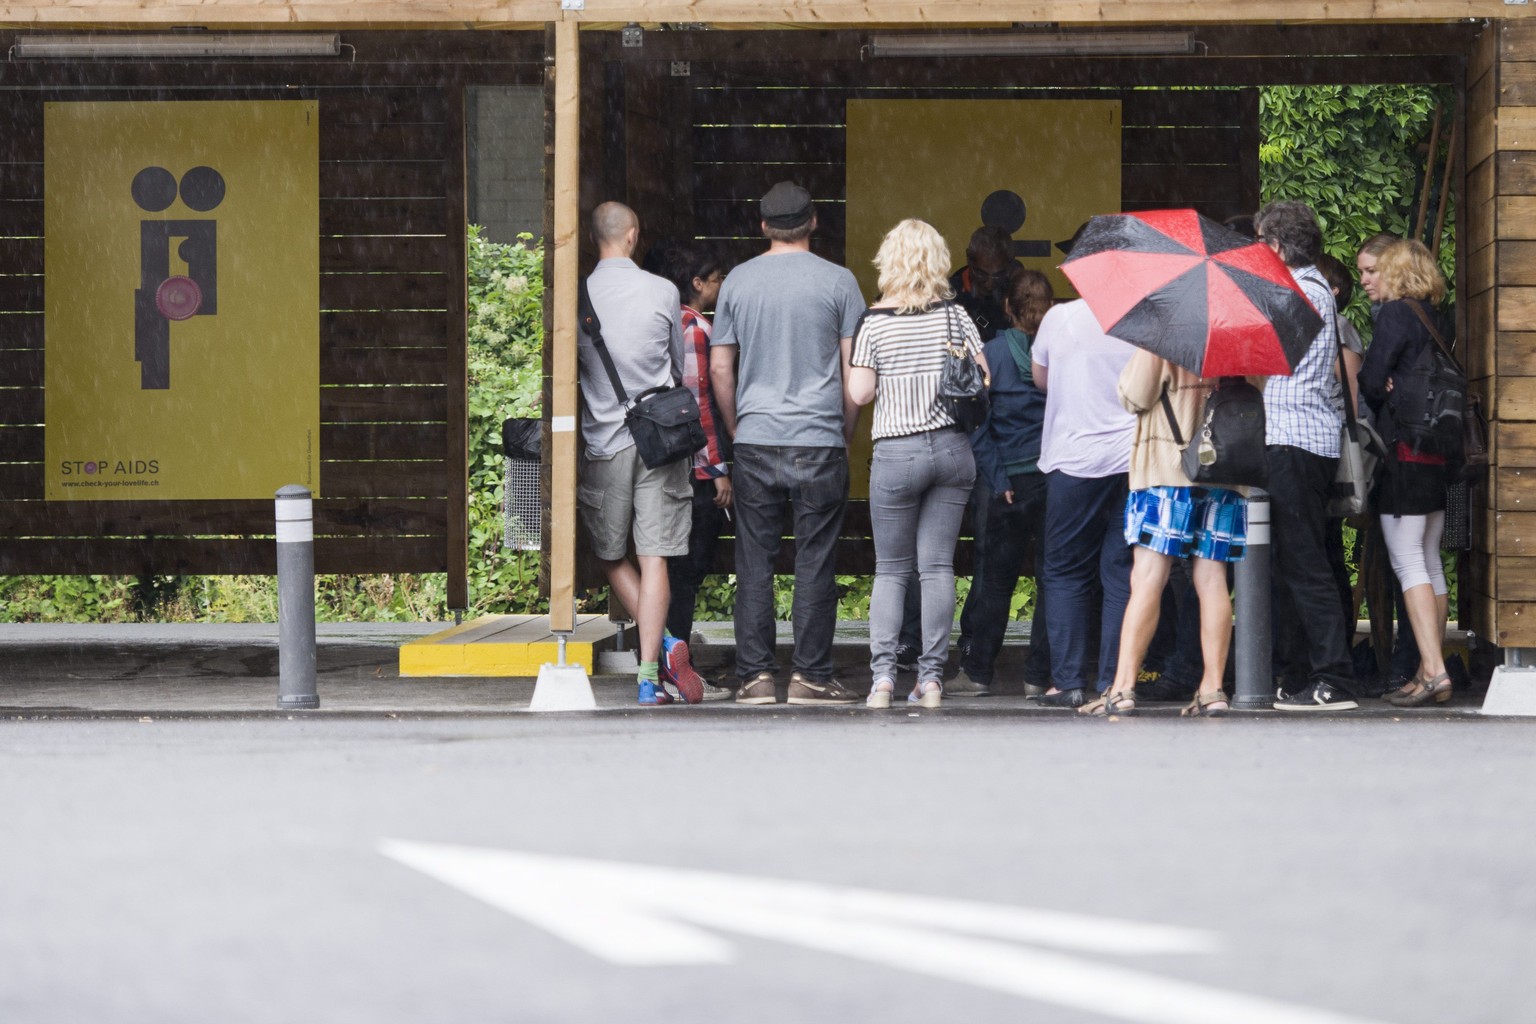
{"x": 1192, "y": 291}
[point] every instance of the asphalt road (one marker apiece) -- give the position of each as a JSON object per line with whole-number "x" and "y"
{"x": 231, "y": 871}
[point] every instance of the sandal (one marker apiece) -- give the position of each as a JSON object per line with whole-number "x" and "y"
{"x": 1109, "y": 703}
{"x": 880, "y": 695}
{"x": 1207, "y": 705}
{"x": 929, "y": 694}
{"x": 1437, "y": 689}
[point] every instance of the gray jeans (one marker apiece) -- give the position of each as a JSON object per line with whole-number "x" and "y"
{"x": 918, "y": 488}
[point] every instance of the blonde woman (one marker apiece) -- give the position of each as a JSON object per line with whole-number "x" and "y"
{"x": 921, "y": 475}
{"x": 1410, "y": 498}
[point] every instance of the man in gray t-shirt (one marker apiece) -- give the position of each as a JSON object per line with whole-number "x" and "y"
{"x": 620, "y": 498}
{"x": 789, "y": 317}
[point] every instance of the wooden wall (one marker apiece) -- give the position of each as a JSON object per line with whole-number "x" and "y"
{"x": 393, "y": 446}
{"x": 1501, "y": 325}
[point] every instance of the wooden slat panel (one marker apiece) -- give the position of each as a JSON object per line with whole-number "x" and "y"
{"x": 21, "y": 181}
{"x": 21, "y": 294}
{"x": 1517, "y": 308}
{"x": 21, "y": 368}
{"x": 21, "y": 255}
{"x": 1485, "y": 52}
{"x": 21, "y": 481}
{"x": 353, "y": 441}
{"x": 1182, "y": 145}
{"x": 748, "y": 182}
{"x": 384, "y": 328}
{"x": 1482, "y": 105}
{"x": 1517, "y": 262}
{"x": 384, "y": 479}
{"x": 373, "y": 365}
{"x": 21, "y": 218}
{"x": 1482, "y": 184}
{"x": 1515, "y": 625}
{"x": 791, "y": 144}
{"x": 388, "y": 404}
{"x": 372, "y": 141}
{"x": 1517, "y": 217}
{"x": 371, "y": 216}
{"x": 1199, "y": 185}
{"x": 1517, "y": 39}
{"x": 1515, "y": 128}
{"x": 1482, "y": 274}
{"x": 1513, "y": 579}
{"x": 21, "y": 444}
{"x": 22, "y": 405}
{"x": 1516, "y": 398}
{"x": 381, "y": 106}
{"x": 1517, "y": 83}
{"x": 1515, "y": 174}
{"x": 1514, "y": 533}
{"x": 1515, "y": 443}
{"x": 382, "y": 178}
{"x": 1516, "y": 353}
{"x": 349, "y": 517}
{"x": 222, "y": 556}
{"x": 364, "y": 254}
{"x": 380, "y": 291}
{"x": 1514, "y": 489}
{"x": 21, "y": 330}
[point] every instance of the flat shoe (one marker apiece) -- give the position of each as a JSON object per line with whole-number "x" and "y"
{"x": 1110, "y": 703}
{"x": 1437, "y": 689}
{"x": 1207, "y": 705}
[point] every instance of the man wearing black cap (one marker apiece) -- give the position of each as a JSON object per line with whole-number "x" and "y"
{"x": 788, "y": 316}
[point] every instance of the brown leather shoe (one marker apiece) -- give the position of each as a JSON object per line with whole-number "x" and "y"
{"x": 805, "y": 691}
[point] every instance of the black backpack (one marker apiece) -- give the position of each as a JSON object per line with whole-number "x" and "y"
{"x": 1228, "y": 447}
{"x": 1429, "y": 399}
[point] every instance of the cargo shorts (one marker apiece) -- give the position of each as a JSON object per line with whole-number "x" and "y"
{"x": 619, "y": 495}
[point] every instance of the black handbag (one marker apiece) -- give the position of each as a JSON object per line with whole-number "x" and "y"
{"x": 962, "y": 383}
{"x": 664, "y": 420}
{"x": 1227, "y": 449}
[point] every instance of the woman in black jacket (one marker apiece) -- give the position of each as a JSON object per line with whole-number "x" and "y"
{"x": 1410, "y": 496}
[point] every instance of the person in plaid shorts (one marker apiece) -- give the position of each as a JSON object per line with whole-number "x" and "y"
{"x": 1166, "y": 518}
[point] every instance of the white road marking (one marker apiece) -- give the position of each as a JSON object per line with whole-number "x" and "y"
{"x": 632, "y": 914}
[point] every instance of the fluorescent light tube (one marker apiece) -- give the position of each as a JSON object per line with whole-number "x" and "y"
{"x": 88, "y": 47}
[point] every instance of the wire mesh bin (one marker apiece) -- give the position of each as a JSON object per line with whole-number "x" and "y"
{"x": 522, "y": 499}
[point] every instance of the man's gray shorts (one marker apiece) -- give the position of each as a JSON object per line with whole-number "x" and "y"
{"x": 618, "y": 492}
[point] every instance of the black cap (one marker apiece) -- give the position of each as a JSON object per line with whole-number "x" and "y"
{"x": 786, "y": 205}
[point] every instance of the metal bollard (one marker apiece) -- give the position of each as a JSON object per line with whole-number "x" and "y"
{"x": 296, "y": 599}
{"x": 1255, "y": 689}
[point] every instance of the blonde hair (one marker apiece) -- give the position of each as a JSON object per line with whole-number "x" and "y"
{"x": 914, "y": 266}
{"x": 1378, "y": 244}
{"x": 1406, "y": 270}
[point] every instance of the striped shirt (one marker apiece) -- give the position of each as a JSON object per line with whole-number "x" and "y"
{"x": 906, "y": 351}
{"x": 1306, "y": 409}
{"x": 709, "y": 462}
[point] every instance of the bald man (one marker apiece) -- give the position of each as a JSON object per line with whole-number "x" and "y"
{"x": 640, "y": 319}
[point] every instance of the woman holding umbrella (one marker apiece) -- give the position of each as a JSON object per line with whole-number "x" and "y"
{"x": 1411, "y": 494}
{"x": 922, "y": 472}
{"x": 1204, "y": 303}
{"x": 1167, "y": 518}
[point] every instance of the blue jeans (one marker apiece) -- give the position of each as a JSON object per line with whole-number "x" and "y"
{"x": 814, "y": 483}
{"x": 1087, "y": 574}
{"x": 918, "y": 487}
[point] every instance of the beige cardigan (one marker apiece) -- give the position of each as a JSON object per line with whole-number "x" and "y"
{"x": 1155, "y": 456}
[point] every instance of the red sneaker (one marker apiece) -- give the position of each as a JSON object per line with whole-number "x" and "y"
{"x": 678, "y": 670}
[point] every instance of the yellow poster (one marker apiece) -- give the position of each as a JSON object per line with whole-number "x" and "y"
{"x": 182, "y": 304}
{"x": 1037, "y": 168}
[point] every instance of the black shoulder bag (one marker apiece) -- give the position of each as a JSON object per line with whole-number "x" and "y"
{"x": 664, "y": 420}
{"x": 1227, "y": 449}
{"x": 962, "y": 382}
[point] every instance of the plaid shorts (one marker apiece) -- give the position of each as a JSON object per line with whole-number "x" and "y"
{"x": 1207, "y": 522}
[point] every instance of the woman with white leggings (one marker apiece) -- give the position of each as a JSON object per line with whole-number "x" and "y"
{"x": 1410, "y": 497}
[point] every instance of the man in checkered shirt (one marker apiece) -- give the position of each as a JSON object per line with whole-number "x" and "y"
{"x": 1304, "y": 414}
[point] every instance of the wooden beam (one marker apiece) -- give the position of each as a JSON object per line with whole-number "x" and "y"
{"x": 455, "y": 144}
{"x": 563, "y": 364}
{"x": 819, "y": 13}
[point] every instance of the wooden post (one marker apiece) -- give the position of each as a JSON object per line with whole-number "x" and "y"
{"x": 563, "y": 370}
{"x": 1429, "y": 177}
{"x": 1445, "y": 190}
